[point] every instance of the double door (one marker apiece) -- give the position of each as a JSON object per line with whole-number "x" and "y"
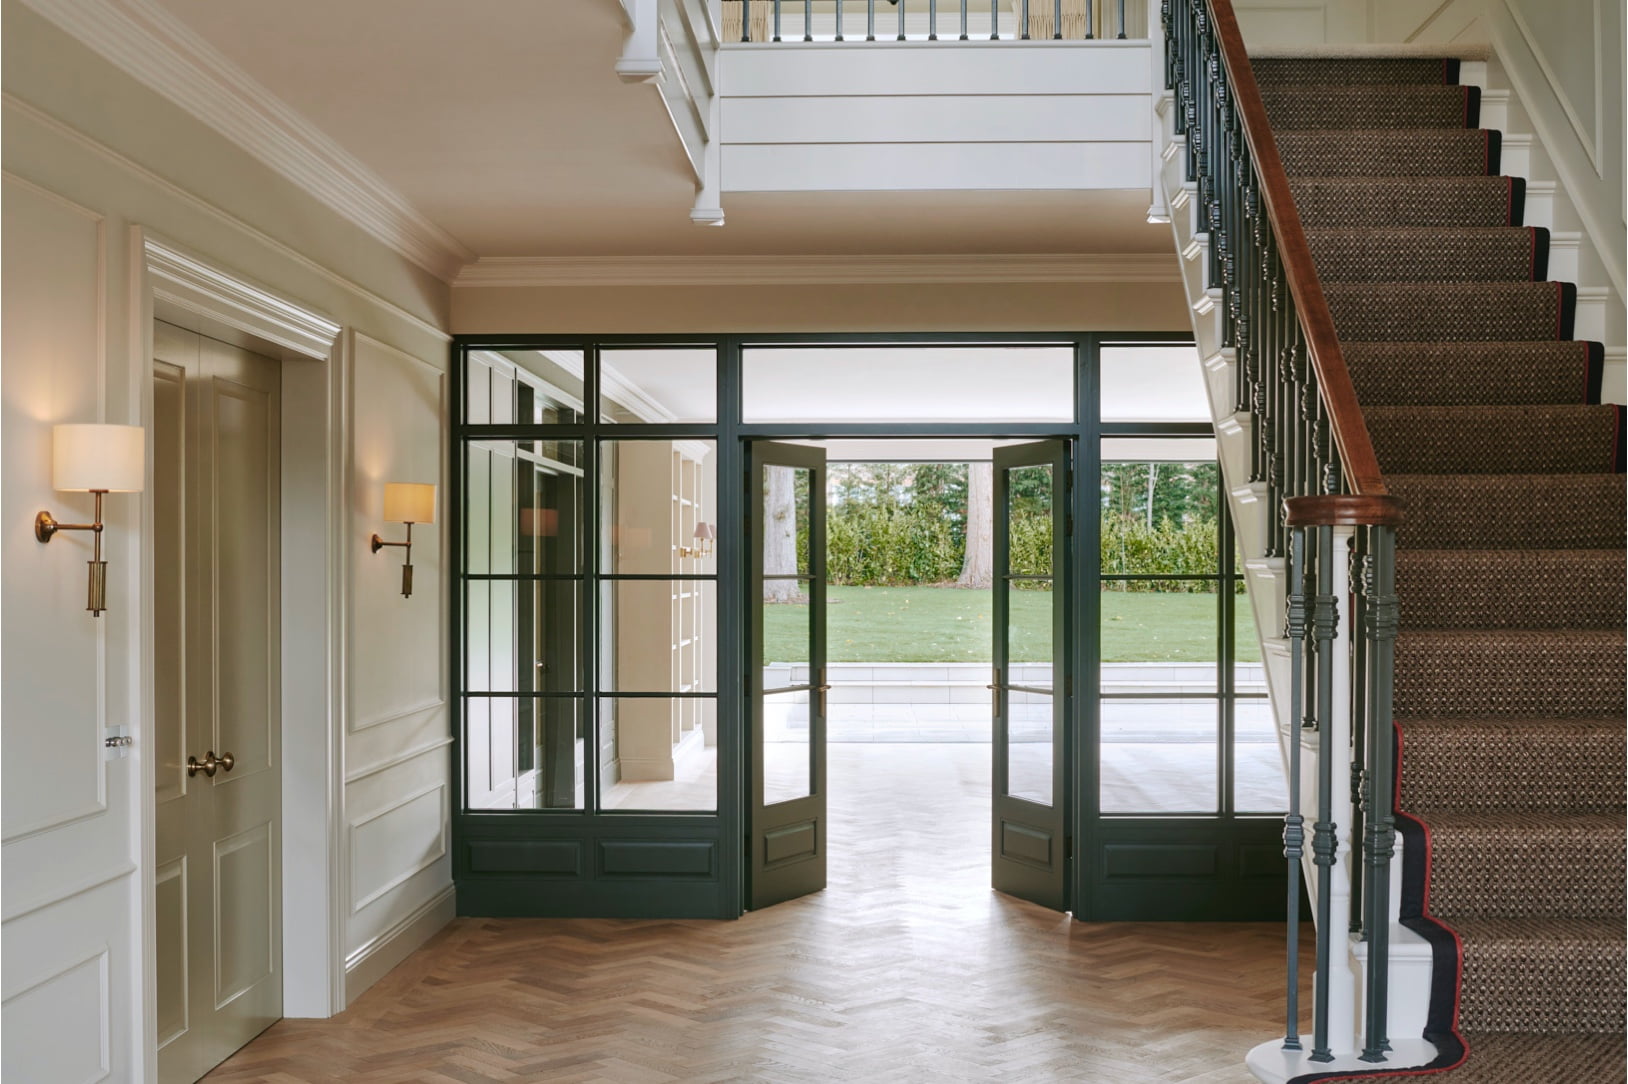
{"x": 787, "y": 806}
{"x": 217, "y": 643}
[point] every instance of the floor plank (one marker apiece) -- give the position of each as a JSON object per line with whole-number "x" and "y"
{"x": 906, "y": 968}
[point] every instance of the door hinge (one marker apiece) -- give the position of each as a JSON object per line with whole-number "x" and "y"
{"x": 116, "y": 743}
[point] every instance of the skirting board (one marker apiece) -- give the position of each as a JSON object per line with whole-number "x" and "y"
{"x": 374, "y": 960}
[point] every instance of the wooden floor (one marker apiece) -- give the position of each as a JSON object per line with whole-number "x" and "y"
{"x": 907, "y": 968}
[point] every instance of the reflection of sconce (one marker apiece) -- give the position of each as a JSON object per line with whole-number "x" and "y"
{"x": 704, "y": 534}
{"x": 95, "y": 459}
{"x": 539, "y": 522}
{"x": 409, "y": 503}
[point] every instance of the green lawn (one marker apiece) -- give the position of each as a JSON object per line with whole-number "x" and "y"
{"x": 947, "y": 624}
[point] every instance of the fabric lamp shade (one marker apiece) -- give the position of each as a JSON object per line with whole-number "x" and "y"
{"x": 92, "y": 457}
{"x": 409, "y": 502}
{"x": 705, "y": 530}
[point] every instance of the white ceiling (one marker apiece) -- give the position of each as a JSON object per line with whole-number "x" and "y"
{"x": 503, "y": 122}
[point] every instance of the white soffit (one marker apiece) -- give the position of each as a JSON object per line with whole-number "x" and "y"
{"x": 158, "y": 50}
{"x": 1132, "y": 267}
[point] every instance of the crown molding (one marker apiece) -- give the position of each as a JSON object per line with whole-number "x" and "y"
{"x": 1104, "y": 268}
{"x": 161, "y": 52}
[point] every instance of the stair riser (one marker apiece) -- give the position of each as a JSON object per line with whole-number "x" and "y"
{"x": 1549, "y": 995}
{"x": 1328, "y": 108}
{"x": 1560, "y": 677}
{"x": 1433, "y": 153}
{"x": 1581, "y": 769}
{"x": 1542, "y": 873}
{"x": 1553, "y": 440}
{"x": 1447, "y": 312}
{"x": 1517, "y": 254}
{"x": 1567, "y": 512}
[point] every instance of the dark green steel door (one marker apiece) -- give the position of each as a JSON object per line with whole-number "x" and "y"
{"x": 1030, "y": 850}
{"x": 786, "y": 841}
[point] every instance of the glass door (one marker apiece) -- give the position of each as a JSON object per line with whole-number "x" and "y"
{"x": 1030, "y": 849}
{"x": 787, "y": 680}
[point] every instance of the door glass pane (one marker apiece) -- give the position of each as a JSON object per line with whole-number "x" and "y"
{"x": 786, "y": 530}
{"x": 523, "y": 752}
{"x": 1259, "y": 785}
{"x": 1030, "y": 650}
{"x": 1249, "y": 678}
{"x": 1153, "y": 383}
{"x": 1160, "y": 517}
{"x": 658, "y": 636}
{"x": 658, "y": 754}
{"x": 788, "y": 633}
{"x": 659, "y": 386}
{"x": 788, "y": 767}
{"x": 522, "y": 509}
{"x": 1029, "y": 749}
{"x": 909, "y": 383}
{"x": 1029, "y": 515}
{"x": 658, "y": 506}
{"x": 1159, "y": 756}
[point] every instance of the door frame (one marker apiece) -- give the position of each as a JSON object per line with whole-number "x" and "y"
{"x": 169, "y": 283}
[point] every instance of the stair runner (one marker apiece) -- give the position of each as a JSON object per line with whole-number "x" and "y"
{"x": 1509, "y": 695}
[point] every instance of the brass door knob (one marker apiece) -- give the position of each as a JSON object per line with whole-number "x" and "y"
{"x": 210, "y": 763}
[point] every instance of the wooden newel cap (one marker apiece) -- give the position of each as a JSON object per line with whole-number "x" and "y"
{"x": 1342, "y": 511}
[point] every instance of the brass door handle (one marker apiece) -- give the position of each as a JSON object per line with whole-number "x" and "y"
{"x": 210, "y": 763}
{"x": 822, "y": 690}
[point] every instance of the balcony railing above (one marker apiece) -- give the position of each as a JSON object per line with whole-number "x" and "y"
{"x": 857, "y": 21}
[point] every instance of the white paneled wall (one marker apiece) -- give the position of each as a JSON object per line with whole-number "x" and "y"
{"x": 397, "y": 739}
{"x": 93, "y": 164}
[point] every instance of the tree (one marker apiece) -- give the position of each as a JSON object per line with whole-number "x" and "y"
{"x": 978, "y": 567}
{"x": 780, "y": 534}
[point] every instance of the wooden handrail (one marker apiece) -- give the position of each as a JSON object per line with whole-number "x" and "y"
{"x": 1342, "y": 510}
{"x": 1346, "y": 423}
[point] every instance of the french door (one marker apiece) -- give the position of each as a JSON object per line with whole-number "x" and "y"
{"x": 1030, "y": 850}
{"x": 786, "y": 829}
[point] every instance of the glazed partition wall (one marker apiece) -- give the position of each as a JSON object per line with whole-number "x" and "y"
{"x": 588, "y": 631}
{"x": 602, "y": 612}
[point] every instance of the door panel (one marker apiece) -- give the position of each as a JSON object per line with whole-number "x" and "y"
{"x": 217, "y": 491}
{"x": 787, "y": 675}
{"x": 1030, "y": 851}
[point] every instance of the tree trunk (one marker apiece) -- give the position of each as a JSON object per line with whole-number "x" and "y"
{"x": 780, "y": 534}
{"x": 978, "y": 568}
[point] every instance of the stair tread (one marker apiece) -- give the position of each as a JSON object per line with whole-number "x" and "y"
{"x": 1510, "y": 588}
{"x": 1389, "y": 152}
{"x": 1520, "y": 930}
{"x": 1473, "y": 200}
{"x": 1324, "y": 71}
{"x": 1430, "y": 253}
{"x": 1554, "y": 438}
{"x": 1393, "y": 106}
{"x": 1462, "y": 311}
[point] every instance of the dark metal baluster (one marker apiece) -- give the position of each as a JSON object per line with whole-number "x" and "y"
{"x": 932, "y": 18}
{"x": 1379, "y": 589}
{"x": 1361, "y": 781}
{"x": 1089, "y": 22}
{"x": 1325, "y": 620}
{"x": 1122, "y": 19}
{"x": 994, "y": 19}
{"x": 840, "y": 4}
{"x": 776, "y": 20}
{"x": 1023, "y": 22}
{"x": 963, "y": 20}
{"x": 901, "y": 20}
{"x": 1057, "y": 20}
{"x": 808, "y": 20}
{"x": 746, "y": 20}
{"x": 870, "y": 20}
{"x": 1294, "y": 832}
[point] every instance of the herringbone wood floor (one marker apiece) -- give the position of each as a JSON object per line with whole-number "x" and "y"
{"x": 907, "y": 968}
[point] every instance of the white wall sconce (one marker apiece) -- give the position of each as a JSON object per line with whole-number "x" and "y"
{"x": 704, "y": 534}
{"x": 408, "y": 503}
{"x": 97, "y": 459}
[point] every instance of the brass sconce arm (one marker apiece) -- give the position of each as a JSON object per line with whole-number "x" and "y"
{"x": 379, "y": 543}
{"x": 46, "y": 528}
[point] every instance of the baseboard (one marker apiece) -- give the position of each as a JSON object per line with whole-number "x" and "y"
{"x": 374, "y": 960}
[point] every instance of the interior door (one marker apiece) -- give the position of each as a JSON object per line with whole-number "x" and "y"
{"x": 216, "y": 499}
{"x": 787, "y": 681}
{"x": 1030, "y": 851}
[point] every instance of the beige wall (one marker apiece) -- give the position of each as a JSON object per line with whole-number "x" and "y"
{"x": 719, "y": 309}
{"x": 90, "y": 157}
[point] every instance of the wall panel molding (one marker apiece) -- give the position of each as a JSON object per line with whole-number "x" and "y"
{"x": 90, "y": 968}
{"x": 401, "y": 877}
{"x": 399, "y": 759}
{"x": 154, "y": 47}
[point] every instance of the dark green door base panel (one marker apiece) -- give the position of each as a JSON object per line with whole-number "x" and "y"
{"x": 1173, "y": 869}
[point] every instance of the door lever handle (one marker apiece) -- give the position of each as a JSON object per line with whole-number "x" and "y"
{"x": 822, "y": 690}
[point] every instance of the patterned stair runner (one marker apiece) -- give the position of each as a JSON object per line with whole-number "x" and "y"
{"x": 1510, "y": 692}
